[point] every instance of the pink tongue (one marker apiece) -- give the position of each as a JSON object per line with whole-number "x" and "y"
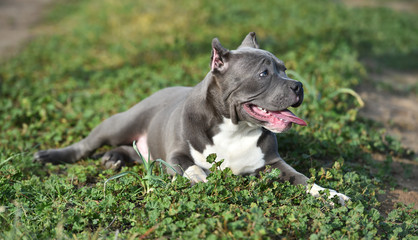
{"x": 289, "y": 116}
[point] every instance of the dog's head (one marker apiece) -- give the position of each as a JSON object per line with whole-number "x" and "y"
{"x": 254, "y": 86}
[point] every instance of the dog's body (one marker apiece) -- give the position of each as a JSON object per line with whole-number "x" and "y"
{"x": 234, "y": 112}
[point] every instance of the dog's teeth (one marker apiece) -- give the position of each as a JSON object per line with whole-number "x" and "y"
{"x": 262, "y": 109}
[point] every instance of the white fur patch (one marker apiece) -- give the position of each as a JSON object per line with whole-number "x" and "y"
{"x": 315, "y": 189}
{"x": 195, "y": 174}
{"x": 237, "y": 145}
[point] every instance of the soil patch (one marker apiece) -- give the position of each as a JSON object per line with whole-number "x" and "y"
{"x": 403, "y": 6}
{"x": 405, "y": 172}
{"x": 391, "y": 98}
{"x": 399, "y": 115}
{"x": 17, "y": 17}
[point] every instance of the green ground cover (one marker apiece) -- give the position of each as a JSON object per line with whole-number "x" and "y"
{"x": 95, "y": 58}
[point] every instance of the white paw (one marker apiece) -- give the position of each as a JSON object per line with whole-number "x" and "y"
{"x": 195, "y": 174}
{"x": 341, "y": 197}
{"x": 316, "y": 189}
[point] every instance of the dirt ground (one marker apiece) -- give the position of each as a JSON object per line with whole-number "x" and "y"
{"x": 17, "y": 17}
{"x": 388, "y": 101}
{"x": 396, "y": 111}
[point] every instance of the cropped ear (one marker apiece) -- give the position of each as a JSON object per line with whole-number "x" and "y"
{"x": 250, "y": 41}
{"x": 219, "y": 57}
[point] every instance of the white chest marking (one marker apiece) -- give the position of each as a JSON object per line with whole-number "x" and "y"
{"x": 237, "y": 145}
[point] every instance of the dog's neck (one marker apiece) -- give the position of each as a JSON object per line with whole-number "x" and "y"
{"x": 212, "y": 96}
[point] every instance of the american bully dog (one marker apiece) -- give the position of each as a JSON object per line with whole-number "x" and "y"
{"x": 235, "y": 112}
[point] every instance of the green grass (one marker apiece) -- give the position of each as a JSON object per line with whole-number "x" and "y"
{"x": 95, "y": 58}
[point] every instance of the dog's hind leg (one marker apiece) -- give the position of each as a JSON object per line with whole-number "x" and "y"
{"x": 69, "y": 154}
{"x": 119, "y": 157}
{"x": 120, "y": 129}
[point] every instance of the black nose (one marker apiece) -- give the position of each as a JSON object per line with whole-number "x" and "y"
{"x": 297, "y": 88}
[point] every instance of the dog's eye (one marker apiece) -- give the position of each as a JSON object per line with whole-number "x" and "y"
{"x": 265, "y": 73}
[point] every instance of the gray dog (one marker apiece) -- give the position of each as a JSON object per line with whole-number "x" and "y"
{"x": 234, "y": 112}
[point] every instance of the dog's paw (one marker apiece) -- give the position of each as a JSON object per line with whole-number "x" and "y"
{"x": 41, "y": 157}
{"x": 316, "y": 191}
{"x": 342, "y": 199}
{"x": 113, "y": 160}
{"x": 195, "y": 174}
{"x": 54, "y": 156}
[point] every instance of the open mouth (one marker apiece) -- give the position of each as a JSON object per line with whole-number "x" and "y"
{"x": 275, "y": 121}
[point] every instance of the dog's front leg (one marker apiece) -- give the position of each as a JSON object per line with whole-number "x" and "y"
{"x": 315, "y": 191}
{"x": 195, "y": 174}
{"x": 185, "y": 166}
{"x": 287, "y": 173}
